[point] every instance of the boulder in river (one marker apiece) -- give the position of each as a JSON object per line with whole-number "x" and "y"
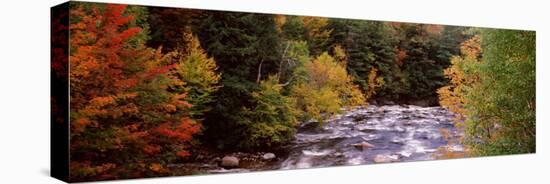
{"x": 230, "y": 162}
{"x": 359, "y": 117}
{"x": 363, "y": 145}
{"x": 385, "y": 158}
{"x": 268, "y": 156}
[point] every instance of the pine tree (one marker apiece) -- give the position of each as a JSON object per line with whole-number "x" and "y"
{"x": 247, "y": 50}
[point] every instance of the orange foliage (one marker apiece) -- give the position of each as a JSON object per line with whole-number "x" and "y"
{"x": 182, "y": 131}
{"x": 183, "y": 153}
{"x": 121, "y": 104}
{"x": 450, "y": 96}
{"x": 401, "y": 56}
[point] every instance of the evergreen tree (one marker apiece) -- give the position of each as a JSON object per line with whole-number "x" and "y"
{"x": 246, "y": 47}
{"x": 369, "y": 45}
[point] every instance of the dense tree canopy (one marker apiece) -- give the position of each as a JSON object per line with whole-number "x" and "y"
{"x": 152, "y": 86}
{"x": 493, "y": 90}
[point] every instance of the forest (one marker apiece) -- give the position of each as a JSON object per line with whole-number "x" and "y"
{"x": 154, "y": 91}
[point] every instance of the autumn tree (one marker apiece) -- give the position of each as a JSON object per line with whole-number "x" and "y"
{"x": 374, "y": 82}
{"x": 198, "y": 73}
{"x": 122, "y": 113}
{"x": 500, "y": 109}
{"x": 453, "y": 96}
{"x": 492, "y": 90}
{"x": 323, "y": 88}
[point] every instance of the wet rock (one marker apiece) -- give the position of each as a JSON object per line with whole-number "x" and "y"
{"x": 268, "y": 156}
{"x": 385, "y": 158}
{"x": 397, "y": 141}
{"x": 310, "y": 127}
{"x": 359, "y": 117}
{"x": 406, "y": 153}
{"x": 339, "y": 154}
{"x": 229, "y": 162}
{"x": 363, "y": 145}
{"x": 405, "y": 117}
{"x": 408, "y": 123}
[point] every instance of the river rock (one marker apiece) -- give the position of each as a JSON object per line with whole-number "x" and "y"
{"x": 363, "y": 145}
{"x": 359, "y": 117}
{"x": 339, "y": 154}
{"x": 230, "y": 162}
{"x": 268, "y": 156}
{"x": 385, "y": 158}
{"x": 408, "y": 123}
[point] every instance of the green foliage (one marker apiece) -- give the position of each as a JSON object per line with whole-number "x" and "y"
{"x": 256, "y": 76}
{"x": 409, "y": 57}
{"x": 294, "y": 55}
{"x": 272, "y": 120}
{"x": 247, "y": 49}
{"x": 501, "y": 106}
{"x": 293, "y": 28}
{"x": 422, "y": 53}
{"x": 199, "y": 76}
{"x": 370, "y": 45}
{"x": 462, "y": 77}
{"x": 494, "y": 95}
{"x": 313, "y": 30}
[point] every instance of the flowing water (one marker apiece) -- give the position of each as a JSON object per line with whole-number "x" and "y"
{"x": 396, "y": 133}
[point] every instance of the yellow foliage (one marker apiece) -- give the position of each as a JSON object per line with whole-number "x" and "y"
{"x": 317, "y": 33}
{"x": 326, "y": 89}
{"x": 280, "y": 20}
{"x": 340, "y": 55}
{"x": 195, "y": 67}
{"x": 373, "y": 82}
{"x": 324, "y": 71}
{"x": 316, "y": 27}
{"x": 195, "y": 75}
{"x": 451, "y": 96}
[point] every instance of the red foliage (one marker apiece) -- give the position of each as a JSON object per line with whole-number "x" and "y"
{"x": 181, "y": 131}
{"x": 183, "y": 153}
{"x": 117, "y": 109}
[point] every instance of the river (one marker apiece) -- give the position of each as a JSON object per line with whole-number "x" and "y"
{"x": 396, "y": 133}
{"x": 362, "y": 135}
